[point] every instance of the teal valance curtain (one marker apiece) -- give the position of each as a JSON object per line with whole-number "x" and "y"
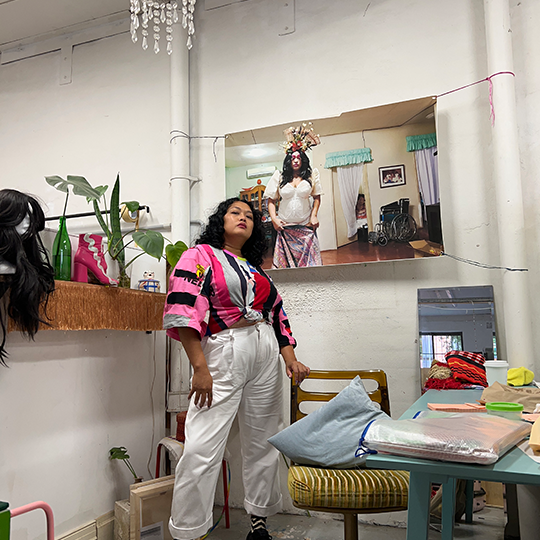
{"x": 348, "y": 157}
{"x": 420, "y": 142}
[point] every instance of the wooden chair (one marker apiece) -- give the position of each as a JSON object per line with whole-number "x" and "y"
{"x": 346, "y": 491}
{"x": 254, "y": 195}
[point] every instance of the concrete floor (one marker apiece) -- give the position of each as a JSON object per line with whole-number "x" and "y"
{"x": 488, "y": 524}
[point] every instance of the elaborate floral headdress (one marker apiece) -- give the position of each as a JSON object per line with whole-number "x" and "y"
{"x": 301, "y": 138}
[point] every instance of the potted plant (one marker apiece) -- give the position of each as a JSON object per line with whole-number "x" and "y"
{"x": 120, "y": 452}
{"x": 151, "y": 242}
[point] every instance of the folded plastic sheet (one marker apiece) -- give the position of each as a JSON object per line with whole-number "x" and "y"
{"x": 463, "y": 437}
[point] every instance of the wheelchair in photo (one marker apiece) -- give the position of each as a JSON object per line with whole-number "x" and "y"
{"x": 395, "y": 224}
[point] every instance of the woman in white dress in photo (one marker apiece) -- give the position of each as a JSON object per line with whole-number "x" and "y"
{"x": 298, "y": 191}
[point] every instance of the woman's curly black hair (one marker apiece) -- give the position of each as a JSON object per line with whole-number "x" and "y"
{"x": 213, "y": 233}
{"x": 288, "y": 172}
{"x": 29, "y": 287}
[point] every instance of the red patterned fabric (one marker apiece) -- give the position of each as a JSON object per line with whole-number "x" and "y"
{"x": 444, "y": 384}
{"x": 467, "y": 367}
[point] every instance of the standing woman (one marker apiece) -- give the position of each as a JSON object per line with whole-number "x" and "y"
{"x": 229, "y": 317}
{"x": 298, "y": 191}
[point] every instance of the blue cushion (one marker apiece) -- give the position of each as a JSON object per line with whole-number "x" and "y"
{"x": 329, "y": 436}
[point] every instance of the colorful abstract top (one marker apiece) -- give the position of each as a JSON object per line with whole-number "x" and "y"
{"x": 211, "y": 289}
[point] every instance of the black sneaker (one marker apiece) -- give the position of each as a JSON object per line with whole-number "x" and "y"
{"x": 259, "y": 534}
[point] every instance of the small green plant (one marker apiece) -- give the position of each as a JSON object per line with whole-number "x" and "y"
{"x": 151, "y": 242}
{"x": 120, "y": 452}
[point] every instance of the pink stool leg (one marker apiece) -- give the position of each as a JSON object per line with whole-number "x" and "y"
{"x": 34, "y": 506}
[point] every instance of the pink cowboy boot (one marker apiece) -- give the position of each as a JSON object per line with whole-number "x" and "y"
{"x": 90, "y": 256}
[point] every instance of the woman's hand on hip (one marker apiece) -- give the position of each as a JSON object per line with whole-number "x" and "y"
{"x": 313, "y": 223}
{"x": 278, "y": 224}
{"x": 201, "y": 386}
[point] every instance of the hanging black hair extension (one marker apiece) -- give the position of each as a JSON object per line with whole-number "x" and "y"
{"x": 28, "y": 289}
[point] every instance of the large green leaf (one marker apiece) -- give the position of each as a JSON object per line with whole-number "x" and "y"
{"x": 79, "y": 185}
{"x": 132, "y": 206}
{"x": 118, "y": 452}
{"x": 101, "y": 221}
{"x": 116, "y": 248}
{"x": 101, "y": 190}
{"x": 150, "y": 242}
{"x": 173, "y": 252}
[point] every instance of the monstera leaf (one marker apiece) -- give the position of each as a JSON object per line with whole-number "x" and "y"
{"x": 173, "y": 252}
{"x": 132, "y": 206}
{"x": 79, "y": 185}
{"x": 151, "y": 242}
{"x": 101, "y": 190}
{"x": 120, "y": 452}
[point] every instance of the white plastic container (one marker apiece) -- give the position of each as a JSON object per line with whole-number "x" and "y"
{"x": 496, "y": 370}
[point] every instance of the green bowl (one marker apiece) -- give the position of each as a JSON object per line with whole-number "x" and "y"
{"x": 504, "y": 406}
{"x": 511, "y": 411}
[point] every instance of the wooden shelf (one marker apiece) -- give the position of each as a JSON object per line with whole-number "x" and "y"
{"x": 81, "y": 306}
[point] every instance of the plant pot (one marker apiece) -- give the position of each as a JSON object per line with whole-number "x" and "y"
{"x": 115, "y": 272}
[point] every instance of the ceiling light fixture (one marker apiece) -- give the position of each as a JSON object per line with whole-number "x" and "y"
{"x": 144, "y": 13}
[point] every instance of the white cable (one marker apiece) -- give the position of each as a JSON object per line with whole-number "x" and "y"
{"x": 152, "y": 406}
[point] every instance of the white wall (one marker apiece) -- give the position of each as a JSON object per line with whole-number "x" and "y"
{"x": 237, "y": 180}
{"x": 70, "y": 396}
{"x": 65, "y": 401}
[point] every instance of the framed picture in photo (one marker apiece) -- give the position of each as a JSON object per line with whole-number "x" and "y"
{"x": 394, "y": 175}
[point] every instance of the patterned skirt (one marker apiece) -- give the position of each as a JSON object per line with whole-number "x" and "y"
{"x": 296, "y": 246}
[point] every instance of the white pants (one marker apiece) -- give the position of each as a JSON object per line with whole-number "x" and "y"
{"x": 244, "y": 364}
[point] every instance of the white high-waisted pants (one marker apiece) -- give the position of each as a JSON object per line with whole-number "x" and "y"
{"x": 244, "y": 364}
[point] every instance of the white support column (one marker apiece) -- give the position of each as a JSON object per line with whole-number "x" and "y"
{"x": 507, "y": 178}
{"x": 180, "y": 196}
{"x": 180, "y": 166}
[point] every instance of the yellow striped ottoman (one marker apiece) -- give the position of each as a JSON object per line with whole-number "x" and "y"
{"x": 369, "y": 490}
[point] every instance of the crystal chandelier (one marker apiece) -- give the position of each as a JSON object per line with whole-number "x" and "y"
{"x": 145, "y": 13}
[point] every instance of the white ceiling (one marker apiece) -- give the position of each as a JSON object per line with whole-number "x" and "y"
{"x": 21, "y": 20}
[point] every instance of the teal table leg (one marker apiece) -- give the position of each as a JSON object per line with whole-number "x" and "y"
{"x": 448, "y": 508}
{"x": 418, "y": 513}
{"x": 469, "y": 492}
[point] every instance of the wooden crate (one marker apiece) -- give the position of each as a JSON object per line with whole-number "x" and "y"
{"x": 150, "y": 504}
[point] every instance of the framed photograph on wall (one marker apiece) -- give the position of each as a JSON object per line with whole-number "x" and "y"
{"x": 392, "y": 176}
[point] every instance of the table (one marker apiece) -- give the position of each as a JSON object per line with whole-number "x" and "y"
{"x": 513, "y": 468}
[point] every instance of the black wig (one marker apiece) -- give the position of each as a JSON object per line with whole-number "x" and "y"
{"x": 213, "y": 234}
{"x": 29, "y": 287}
{"x": 288, "y": 172}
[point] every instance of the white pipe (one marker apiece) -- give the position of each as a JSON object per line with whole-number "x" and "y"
{"x": 180, "y": 166}
{"x": 508, "y": 189}
{"x": 179, "y": 192}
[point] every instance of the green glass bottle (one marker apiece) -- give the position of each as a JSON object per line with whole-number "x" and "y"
{"x": 5, "y": 517}
{"x": 61, "y": 253}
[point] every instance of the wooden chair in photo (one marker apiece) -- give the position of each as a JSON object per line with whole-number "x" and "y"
{"x": 346, "y": 491}
{"x": 254, "y": 195}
